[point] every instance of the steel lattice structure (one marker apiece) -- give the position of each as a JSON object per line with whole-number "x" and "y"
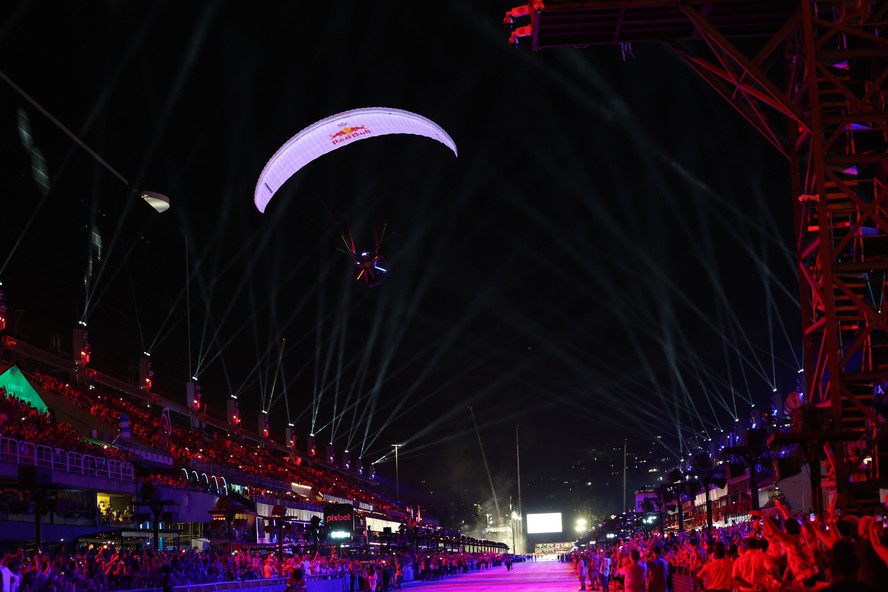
{"x": 810, "y": 76}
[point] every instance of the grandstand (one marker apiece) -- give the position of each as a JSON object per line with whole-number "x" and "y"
{"x": 87, "y": 458}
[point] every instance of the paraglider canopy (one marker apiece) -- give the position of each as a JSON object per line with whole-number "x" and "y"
{"x": 335, "y": 132}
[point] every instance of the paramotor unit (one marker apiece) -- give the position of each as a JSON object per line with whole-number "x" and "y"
{"x": 369, "y": 267}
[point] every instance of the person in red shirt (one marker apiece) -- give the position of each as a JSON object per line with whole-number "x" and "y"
{"x": 751, "y": 569}
{"x": 717, "y": 573}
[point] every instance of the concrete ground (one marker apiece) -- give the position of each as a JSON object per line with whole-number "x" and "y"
{"x": 542, "y": 576}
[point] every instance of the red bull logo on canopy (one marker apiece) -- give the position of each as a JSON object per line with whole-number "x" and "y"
{"x": 348, "y": 133}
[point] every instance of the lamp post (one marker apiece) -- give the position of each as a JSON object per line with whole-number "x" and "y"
{"x": 397, "y": 475}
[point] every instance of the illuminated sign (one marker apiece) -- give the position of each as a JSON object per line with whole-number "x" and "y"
{"x": 544, "y": 523}
{"x": 553, "y": 548}
{"x": 339, "y": 521}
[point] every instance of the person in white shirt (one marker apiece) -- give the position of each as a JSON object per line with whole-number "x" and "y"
{"x": 581, "y": 570}
{"x": 604, "y": 570}
{"x": 10, "y": 579}
{"x": 634, "y": 573}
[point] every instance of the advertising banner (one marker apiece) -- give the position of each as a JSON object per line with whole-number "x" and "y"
{"x": 339, "y": 522}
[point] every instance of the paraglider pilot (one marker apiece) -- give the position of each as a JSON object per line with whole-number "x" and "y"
{"x": 367, "y": 269}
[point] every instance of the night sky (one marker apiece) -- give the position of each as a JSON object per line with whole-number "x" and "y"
{"x": 609, "y": 257}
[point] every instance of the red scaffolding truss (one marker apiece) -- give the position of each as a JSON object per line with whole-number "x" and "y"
{"x": 810, "y": 76}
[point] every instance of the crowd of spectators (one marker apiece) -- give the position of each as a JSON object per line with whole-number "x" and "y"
{"x": 236, "y": 455}
{"x": 98, "y": 567}
{"x": 61, "y": 569}
{"x": 385, "y": 571}
{"x": 767, "y": 553}
{"x": 23, "y": 422}
{"x": 788, "y": 551}
{"x": 228, "y": 449}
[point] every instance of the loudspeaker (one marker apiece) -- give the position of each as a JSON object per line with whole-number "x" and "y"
{"x": 701, "y": 462}
{"x": 736, "y": 470}
{"x": 787, "y": 466}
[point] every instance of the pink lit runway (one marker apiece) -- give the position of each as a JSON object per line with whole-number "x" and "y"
{"x": 542, "y": 576}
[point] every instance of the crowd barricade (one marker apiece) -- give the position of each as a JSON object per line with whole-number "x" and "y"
{"x": 27, "y": 453}
{"x": 327, "y": 583}
{"x": 89, "y": 465}
{"x": 43, "y": 456}
{"x": 8, "y": 450}
{"x": 75, "y": 462}
{"x": 684, "y": 583}
{"x": 314, "y": 583}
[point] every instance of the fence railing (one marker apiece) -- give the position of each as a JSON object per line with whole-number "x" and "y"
{"x": 315, "y": 584}
{"x": 22, "y": 452}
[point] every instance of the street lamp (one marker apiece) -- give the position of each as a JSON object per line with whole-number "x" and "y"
{"x": 397, "y": 476}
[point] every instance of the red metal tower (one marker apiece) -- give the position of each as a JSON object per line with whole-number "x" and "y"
{"x": 811, "y": 76}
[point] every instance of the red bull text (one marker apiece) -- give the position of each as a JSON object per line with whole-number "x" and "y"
{"x": 348, "y": 133}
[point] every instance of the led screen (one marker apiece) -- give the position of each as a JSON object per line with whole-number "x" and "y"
{"x": 543, "y": 523}
{"x": 339, "y": 520}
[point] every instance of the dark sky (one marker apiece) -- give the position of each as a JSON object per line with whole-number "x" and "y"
{"x": 608, "y": 258}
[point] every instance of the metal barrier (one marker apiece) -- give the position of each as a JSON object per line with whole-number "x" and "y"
{"x": 21, "y": 452}
{"x": 684, "y": 583}
{"x": 314, "y": 583}
{"x": 75, "y": 462}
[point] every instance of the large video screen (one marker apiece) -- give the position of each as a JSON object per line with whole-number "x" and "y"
{"x": 543, "y": 523}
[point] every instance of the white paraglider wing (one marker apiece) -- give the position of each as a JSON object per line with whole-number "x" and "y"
{"x": 333, "y": 133}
